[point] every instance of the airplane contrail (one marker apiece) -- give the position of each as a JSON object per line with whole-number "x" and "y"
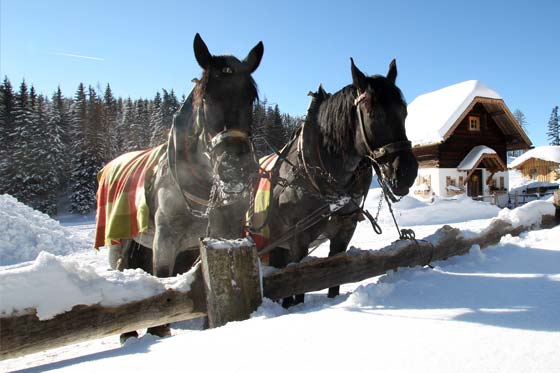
{"x": 79, "y": 56}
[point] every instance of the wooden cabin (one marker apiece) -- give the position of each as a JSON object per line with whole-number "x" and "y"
{"x": 540, "y": 164}
{"x": 460, "y": 136}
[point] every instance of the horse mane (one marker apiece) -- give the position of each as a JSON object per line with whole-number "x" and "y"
{"x": 336, "y": 120}
{"x": 337, "y": 115}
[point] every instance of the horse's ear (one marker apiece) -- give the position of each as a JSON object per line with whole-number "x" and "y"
{"x": 358, "y": 77}
{"x": 203, "y": 56}
{"x": 253, "y": 59}
{"x": 392, "y": 73}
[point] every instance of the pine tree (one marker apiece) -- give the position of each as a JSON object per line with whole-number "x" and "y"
{"x": 159, "y": 131}
{"x": 57, "y": 158}
{"x": 109, "y": 125}
{"x": 22, "y": 138}
{"x": 43, "y": 177}
{"x": 142, "y": 125}
{"x": 275, "y": 133}
{"x": 169, "y": 106}
{"x": 522, "y": 121}
{"x": 82, "y": 186}
{"x": 7, "y": 123}
{"x": 553, "y": 132}
{"x": 259, "y": 133}
{"x": 126, "y": 126}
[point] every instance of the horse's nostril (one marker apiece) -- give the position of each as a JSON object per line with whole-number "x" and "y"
{"x": 396, "y": 163}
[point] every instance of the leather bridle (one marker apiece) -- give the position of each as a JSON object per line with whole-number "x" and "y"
{"x": 382, "y": 155}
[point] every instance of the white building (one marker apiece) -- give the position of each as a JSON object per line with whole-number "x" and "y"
{"x": 460, "y": 135}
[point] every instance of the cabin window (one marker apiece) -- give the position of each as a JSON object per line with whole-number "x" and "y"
{"x": 461, "y": 181}
{"x": 502, "y": 183}
{"x": 474, "y": 123}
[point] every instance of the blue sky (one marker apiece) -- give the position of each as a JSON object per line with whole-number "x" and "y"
{"x": 140, "y": 47}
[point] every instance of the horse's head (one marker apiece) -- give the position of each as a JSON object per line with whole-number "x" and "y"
{"x": 224, "y": 98}
{"x": 381, "y": 136}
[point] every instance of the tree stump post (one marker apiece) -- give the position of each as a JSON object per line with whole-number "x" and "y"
{"x": 231, "y": 279}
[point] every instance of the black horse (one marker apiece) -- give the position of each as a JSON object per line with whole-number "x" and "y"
{"x": 323, "y": 175}
{"x": 204, "y": 180}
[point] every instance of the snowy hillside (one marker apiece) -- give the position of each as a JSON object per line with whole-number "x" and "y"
{"x": 494, "y": 310}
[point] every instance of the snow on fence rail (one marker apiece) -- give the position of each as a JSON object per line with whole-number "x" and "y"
{"x": 226, "y": 286}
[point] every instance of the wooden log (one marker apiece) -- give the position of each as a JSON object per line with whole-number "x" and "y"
{"x": 354, "y": 266}
{"x": 26, "y": 334}
{"x": 231, "y": 279}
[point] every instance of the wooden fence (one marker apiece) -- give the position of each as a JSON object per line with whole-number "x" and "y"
{"x": 227, "y": 287}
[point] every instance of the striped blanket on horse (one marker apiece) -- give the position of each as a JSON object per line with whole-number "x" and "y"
{"x": 122, "y": 210}
{"x": 261, "y": 232}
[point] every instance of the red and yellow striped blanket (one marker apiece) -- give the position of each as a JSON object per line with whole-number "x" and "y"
{"x": 262, "y": 203}
{"x": 122, "y": 210}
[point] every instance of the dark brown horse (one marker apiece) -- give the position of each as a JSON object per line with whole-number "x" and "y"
{"x": 204, "y": 180}
{"x": 326, "y": 170}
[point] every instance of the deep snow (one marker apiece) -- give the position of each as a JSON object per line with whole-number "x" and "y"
{"x": 491, "y": 310}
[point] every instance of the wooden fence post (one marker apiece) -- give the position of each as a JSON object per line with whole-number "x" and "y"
{"x": 231, "y": 279}
{"x": 557, "y": 205}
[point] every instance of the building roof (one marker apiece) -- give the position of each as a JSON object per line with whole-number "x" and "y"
{"x": 474, "y": 156}
{"x": 482, "y": 154}
{"x": 432, "y": 117}
{"x": 546, "y": 153}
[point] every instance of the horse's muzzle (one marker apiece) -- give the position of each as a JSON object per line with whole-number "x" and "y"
{"x": 404, "y": 169}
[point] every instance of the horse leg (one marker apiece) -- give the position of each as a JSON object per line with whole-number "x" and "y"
{"x": 164, "y": 252}
{"x": 278, "y": 258}
{"x": 164, "y": 247}
{"x": 338, "y": 244}
{"x": 119, "y": 260}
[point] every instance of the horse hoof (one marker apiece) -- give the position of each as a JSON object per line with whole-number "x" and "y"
{"x": 160, "y": 331}
{"x": 126, "y": 336}
{"x": 288, "y": 302}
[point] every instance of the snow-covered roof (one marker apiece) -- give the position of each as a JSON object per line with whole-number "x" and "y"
{"x": 431, "y": 115}
{"x": 546, "y": 153}
{"x": 471, "y": 159}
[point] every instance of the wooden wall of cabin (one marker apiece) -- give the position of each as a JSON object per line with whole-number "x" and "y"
{"x": 427, "y": 156}
{"x": 540, "y": 170}
{"x": 458, "y": 145}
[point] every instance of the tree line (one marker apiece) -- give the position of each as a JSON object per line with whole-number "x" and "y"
{"x": 51, "y": 148}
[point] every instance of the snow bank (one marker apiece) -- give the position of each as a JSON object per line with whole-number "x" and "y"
{"x": 54, "y": 284}
{"x": 27, "y": 232}
{"x": 410, "y": 211}
{"x": 529, "y": 214}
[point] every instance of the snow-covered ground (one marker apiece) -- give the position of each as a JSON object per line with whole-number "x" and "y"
{"x": 494, "y": 310}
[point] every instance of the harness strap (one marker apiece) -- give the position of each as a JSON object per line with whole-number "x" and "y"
{"x": 302, "y": 158}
